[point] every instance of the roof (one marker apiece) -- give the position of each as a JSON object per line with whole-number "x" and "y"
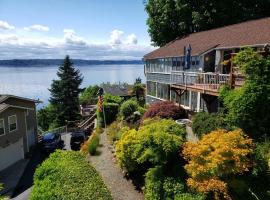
{"x": 4, "y": 106}
{"x": 117, "y": 89}
{"x": 254, "y": 32}
{"x": 3, "y": 97}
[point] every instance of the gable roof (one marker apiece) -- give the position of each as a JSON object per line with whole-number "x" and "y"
{"x": 4, "y": 106}
{"x": 4, "y": 97}
{"x": 254, "y": 32}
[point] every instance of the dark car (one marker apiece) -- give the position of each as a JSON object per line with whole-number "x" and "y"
{"x": 76, "y": 140}
{"x": 50, "y": 142}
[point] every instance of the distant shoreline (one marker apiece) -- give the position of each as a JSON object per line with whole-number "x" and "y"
{"x": 39, "y": 62}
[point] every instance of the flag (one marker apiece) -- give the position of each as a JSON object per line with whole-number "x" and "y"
{"x": 100, "y": 103}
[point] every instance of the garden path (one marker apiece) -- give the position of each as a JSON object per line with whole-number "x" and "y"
{"x": 104, "y": 162}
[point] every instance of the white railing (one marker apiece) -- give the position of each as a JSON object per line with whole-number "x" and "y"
{"x": 206, "y": 80}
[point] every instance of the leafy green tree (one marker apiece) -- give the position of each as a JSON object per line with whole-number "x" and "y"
{"x": 169, "y": 19}
{"x": 89, "y": 95}
{"x": 248, "y": 107}
{"x": 46, "y": 116}
{"x": 65, "y": 93}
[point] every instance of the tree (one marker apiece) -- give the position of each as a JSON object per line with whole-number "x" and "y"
{"x": 46, "y": 117}
{"x": 169, "y": 19}
{"x": 248, "y": 107}
{"x": 89, "y": 95}
{"x": 215, "y": 158}
{"x": 138, "y": 90}
{"x": 65, "y": 93}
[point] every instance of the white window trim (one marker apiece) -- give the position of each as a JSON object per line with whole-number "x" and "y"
{"x": 9, "y": 123}
{"x": 2, "y": 119}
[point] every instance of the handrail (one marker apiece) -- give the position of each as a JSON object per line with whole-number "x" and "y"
{"x": 61, "y": 129}
{"x": 87, "y": 121}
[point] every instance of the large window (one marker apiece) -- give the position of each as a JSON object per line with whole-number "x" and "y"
{"x": 162, "y": 91}
{"x": 12, "y": 123}
{"x": 2, "y": 127}
{"x": 151, "y": 88}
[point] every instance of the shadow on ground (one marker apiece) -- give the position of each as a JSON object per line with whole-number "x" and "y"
{"x": 26, "y": 180}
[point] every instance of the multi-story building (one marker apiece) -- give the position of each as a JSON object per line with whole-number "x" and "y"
{"x": 18, "y": 128}
{"x": 190, "y": 70}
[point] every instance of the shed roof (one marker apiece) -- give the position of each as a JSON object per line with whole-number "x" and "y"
{"x": 249, "y": 33}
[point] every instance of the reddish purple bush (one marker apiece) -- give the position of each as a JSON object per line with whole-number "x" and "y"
{"x": 165, "y": 109}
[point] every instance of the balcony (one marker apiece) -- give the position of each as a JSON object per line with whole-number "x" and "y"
{"x": 208, "y": 83}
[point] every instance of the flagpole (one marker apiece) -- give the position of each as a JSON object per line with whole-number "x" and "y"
{"x": 100, "y": 93}
{"x": 105, "y": 125}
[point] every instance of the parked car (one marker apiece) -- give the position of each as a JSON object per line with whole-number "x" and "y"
{"x": 51, "y": 141}
{"x": 76, "y": 140}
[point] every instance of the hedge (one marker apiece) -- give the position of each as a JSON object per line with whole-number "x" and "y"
{"x": 67, "y": 175}
{"x": 111, "y": 111}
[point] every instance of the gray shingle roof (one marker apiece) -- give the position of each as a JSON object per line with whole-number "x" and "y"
{"x": 254, "y": 32}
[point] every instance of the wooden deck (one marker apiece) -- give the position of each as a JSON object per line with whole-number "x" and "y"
{"x": 211, "y": 89}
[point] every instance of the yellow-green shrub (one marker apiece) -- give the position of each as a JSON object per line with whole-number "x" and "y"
{"x": 153, "y": 144}
{"x": 115, "y": 131}
{"x": 67, "y": 175}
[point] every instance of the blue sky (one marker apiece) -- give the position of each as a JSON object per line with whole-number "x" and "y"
{"x": 90, "y": 29}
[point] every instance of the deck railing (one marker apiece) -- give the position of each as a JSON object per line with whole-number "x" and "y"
{"x": 210, "y": 81}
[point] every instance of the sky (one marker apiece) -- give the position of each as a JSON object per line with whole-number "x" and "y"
{"x": 83, "y": 29}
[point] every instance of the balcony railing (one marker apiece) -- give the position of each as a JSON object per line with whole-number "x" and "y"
{"x": 204, "y": 81}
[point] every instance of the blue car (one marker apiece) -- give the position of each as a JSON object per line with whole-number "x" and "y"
{"x": 50, "y": 142}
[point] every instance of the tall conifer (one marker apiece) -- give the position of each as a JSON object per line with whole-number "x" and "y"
{"x": 65, "y": 93}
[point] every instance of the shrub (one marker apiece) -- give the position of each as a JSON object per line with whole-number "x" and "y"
{"x": 93, "y": 144}
{"x": 165, "y": 109}
{"x": 153, "y": 144}
{"x": 112, "y": 99}
{"x": 248, "y": 107}
{"x": 159, "y": 186}
{"x": 2, "y": 197}
{"x": 89, "y": 95}
{"x": 217, "y": 156}
{"x": 68, "y": 175}
{"x": 111, "y": 111}
{"x": 128, "y": 108}
{"x": 189, "y": 196}
{"x": 115, "y": 131}
{"x": 206, "y": 122}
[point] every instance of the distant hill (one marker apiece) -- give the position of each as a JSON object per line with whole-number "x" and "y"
{"x": 38, "y": 62}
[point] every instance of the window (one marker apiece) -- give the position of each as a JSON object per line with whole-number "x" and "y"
{"x": 151, "y": 88}
{"x": 12, "y": 123}
{"x": 2, "y": 127}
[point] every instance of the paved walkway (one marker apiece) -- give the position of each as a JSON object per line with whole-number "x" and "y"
{"x": 10, "y": 177}
{"x": 121, "y": 188}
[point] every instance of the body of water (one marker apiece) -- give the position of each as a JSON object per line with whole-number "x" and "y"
{"x": 33, "y": 82}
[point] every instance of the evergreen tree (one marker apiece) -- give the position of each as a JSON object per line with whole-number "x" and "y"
{"x": 65, "y": 93}
{"x": 169, "y": 19}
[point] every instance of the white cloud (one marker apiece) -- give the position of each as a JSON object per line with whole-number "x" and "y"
{"x": 116, "y": 37}
{"x": 132, "y": 39}
{"x": 71, "y": 38}
{"x": 21, "y": 46}
{"x": 37, "y": 27}
{"x": 6, "y": 26}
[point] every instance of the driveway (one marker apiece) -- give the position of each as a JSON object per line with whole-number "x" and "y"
{"x": 26, "y": 180}
{"x": 25, "y": 184}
